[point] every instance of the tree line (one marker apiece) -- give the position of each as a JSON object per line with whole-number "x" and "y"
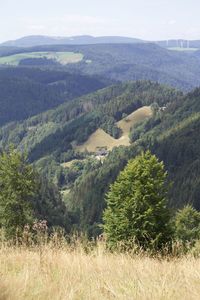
{"x": 136, "y": 213}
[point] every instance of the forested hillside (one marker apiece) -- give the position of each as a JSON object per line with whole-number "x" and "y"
{"x": 99, "y": 150}
{"x": 178, "y": 146}
{"x": 25, "y": 92}
{"x": 51, "y": 110}
{"x": 50, "y": 138}
{"x": 139, "y": 61}
{"x": 54, "y": 131}
{"x": 173, "y": 136}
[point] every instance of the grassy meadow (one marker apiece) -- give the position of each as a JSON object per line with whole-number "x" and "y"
{"x": 183, "y": 49}
{"x": 61, "y": 57}
{"x": 48, "y": 272}
{"x": 101, "y": 139}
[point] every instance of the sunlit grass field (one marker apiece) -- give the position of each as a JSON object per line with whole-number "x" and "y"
{"x": 101, "y": 139}
{"x": 66, "y": 273}
{"x": 183, "y": 49}
{"x": 61, "y": 57}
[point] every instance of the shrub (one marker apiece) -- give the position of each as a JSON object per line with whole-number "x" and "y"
{"x": 137, "y": 205}
{"x": 187, "y": 224}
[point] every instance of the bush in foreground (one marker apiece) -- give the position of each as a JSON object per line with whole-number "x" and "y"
{"x": 187, "y": 224}
{"x": 17, "y": 185}
{"x": 137, "y": 205}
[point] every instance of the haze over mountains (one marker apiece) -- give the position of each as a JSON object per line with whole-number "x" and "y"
{"x": 29, "y": 41}
{"x": 38, "y": 40}
{"x": 118, "y": 62}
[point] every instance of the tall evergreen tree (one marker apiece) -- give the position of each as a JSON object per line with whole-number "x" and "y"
{"x": 137, "y": 205}
{"x": 17, "y": 186}
{"x": 187, "y": 224}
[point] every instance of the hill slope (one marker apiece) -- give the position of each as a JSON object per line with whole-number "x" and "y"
{"x": 42, "y": 58}
{"x": 100, "y": 139}
{"x": 55, "y": 130}
{"x": 125, "y": 62}
{"x": 173, "y": 136}
{"x": 27, "y": 92}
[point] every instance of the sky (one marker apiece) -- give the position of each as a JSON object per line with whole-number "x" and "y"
{"x": 145, "y": 19}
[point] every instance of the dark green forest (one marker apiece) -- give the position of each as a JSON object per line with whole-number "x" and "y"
{"x": 52, "y": 132}
{"x": 170, "y": 134}
{"x": 122, "y": 62}
{"x": 25, "y": 92}
{"x": 173, "y": 138}
{"x": 47, "y": 110}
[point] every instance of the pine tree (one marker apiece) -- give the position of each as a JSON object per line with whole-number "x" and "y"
{"x": 17, "y": 186}
{"x": 137, "y": 205}
{"x": 187, "y": 224}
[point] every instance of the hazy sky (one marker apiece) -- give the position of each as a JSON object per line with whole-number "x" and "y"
{"x": 146, "y": 19}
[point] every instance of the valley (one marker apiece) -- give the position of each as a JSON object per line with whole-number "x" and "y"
{"x": 80, "y": 111}
{"x": 100, "y": 150}
{"x": 80, "y": 123}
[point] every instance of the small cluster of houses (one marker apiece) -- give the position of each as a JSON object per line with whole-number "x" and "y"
{"x": 101, "y": 151}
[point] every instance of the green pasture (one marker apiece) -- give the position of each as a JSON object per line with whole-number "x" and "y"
{"x": 61, "y": 57}
{"x": 183, "y": 49}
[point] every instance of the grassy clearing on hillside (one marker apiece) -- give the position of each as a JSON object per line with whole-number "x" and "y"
{"x": 52, "y": 273}
{"x": 101, "y": 139}
{"x": 183, "y": 49}
{"x": 137, "y": 116}
{"x": 61, "y": 57}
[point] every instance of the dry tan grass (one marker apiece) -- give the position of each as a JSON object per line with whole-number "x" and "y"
{"x": 137, "y": 116}
{"x": 66, "y": 274}
{"x": 101, "y": 139}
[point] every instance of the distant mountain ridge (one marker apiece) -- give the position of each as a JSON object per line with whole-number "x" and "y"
{"x": 179, "y": 43}
{"x": 38, "y": 40}
{"x": 41, "y": 40}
